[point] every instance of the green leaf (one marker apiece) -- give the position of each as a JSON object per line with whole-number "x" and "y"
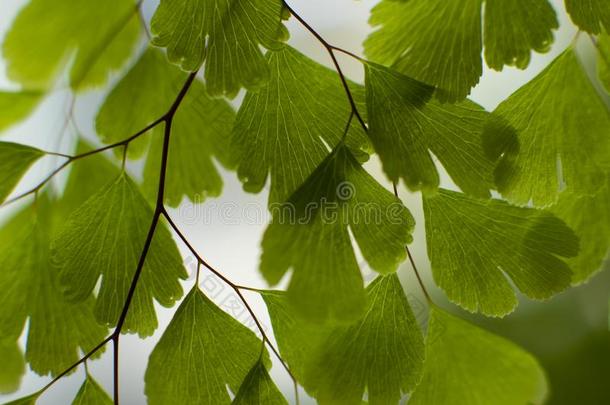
{"x": 603, "y": 60}
{"x": 296, "y": 338}
{"x": 201, "y": 129}
{"x": 590, "y": 15}
{"x": 226, "y": 33}
{"x": 405, "y": 127}
{"x": 13, "y": 366}
{"x": 202, "y": 351}
{"x": 142, "y": 96}
{"x": 15, "y": 160}
{"x": 258, "y": 389}
{"x": 105, "y": 236}
{"x": 17, "y": 106}
{"x": 514, "y": 27}
{"x": 57, "y": 329}
{"x": 435, "y": 41}
{"x": 466, "y": 365}
{"x": 589, "y": 216}
{"x": 45, "y": 36}
{"x": 382, "y": 352}
{"x": 524, "y": 132}
{"x": 284, "y": 128}
{"x": 474, "y": 244}
{"x": 29, "y": 400}
{"x": 90, "y": 393}
{"x": 310, "y": 234}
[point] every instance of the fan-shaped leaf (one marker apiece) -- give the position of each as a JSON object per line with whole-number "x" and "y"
{"x": 16, "y": 106}
{"x": 15, "y": 160}
{"x": 258, "y": 389}
{"x": 590, "y": 15}
{"x": 90, "y": 393}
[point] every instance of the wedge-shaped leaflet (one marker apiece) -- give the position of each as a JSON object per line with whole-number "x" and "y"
{"x": 466, "y": 365}
{"x": 543, "y": 122}
{"x": 589, "y": 216}
{"x": 16, "y": 106}
{"x": 226, "y": 33}
{"x": 258, "y": 389}
{"x": 90, "y": 393}
{"x": 15, "y": 160}
{"x": 381, "y": 353}
{"x": 514, "y": 27}
{"x": 474, "y": 244}
{"x": 142, "y": 96}
{"x": 436, "y": 41}
{"x": 202, "y": 351}
{"x": 590, "y": 15}
{"x": 201, "y": 130}
{"x": 45, "y": 35}
{"x": 283, "y": 128}
{"x": 29, "y": 400}
{"x": 310, "y": 234}
{"x": 13, "y": 365}
{"x": 57, "y": 329}
{"x": 405, "y": 126}
{"x": 603, "y": 60}
{"x": 105, "y": 237}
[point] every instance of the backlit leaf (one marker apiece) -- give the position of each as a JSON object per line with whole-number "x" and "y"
{"x": 541, "y": 127}
{"x": 142, "y": 96}
{"x": 202, "y": 351}
{"x": 514, "y": 27}
{"x": 589, "y": 216}
{"x": 283, "y": 129}
{"x": 603, "y": 60}
{"x": 90, "y": 393}
{"x": 105, "y": 237}
{"x": 57, "y": 329}
{"x": 310, "y": 234}
{"x": 15, "y": 160}
{"x": 29, "y": 400}
{"x": 473, "y": 245}
{"x": 381, "y": 353}
{"x": 16, "y": 106}
{"x": 226, "y": 33}
{"x": 466, "y": 365}
{"x": 590, "y": 15}
{"x": 201, "y": 130}
{"x": 438, "y": 42}
{"x": 405, "y": 126}
{"x": 46, "y": 35}
{"x": 13, "y": 366}
{"x": 258, "y": 389}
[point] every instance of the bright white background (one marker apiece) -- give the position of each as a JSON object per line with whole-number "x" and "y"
{"x": 235, "y": 247}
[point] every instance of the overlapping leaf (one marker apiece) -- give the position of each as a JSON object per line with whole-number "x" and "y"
{"x": 226, "y": 33}
{"x": 515, "y": 27}
{"x": 558, "y": 116}
{"x": 45, "y": 35}
{"x": 13, "y": 365}
{"x": 57, "y": 329}
{"x": 105, "y": 236}
{"x": 258, "y": 389}
{"x": 29, "y": 400}
{"x": 90, "y": 393}
{"x": 590, "y": 15}
{"x": 405, "y": 126}
{"x": 284, "y": 128}
{"x": 202, "y": 351}
{"x": 142, "y": 96}
{"x": 310, "y": 234}
{"x": 589, "y": 216}
{"x": 16, "y": 106}
{"x": 466, "y": 365}
{"x": 201, "y": 129}
{"x": 15, "y": 160}
{"x": 382, "y": 352}
{"x": 474, "y": 244}
{"x": 439, "y": 42}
